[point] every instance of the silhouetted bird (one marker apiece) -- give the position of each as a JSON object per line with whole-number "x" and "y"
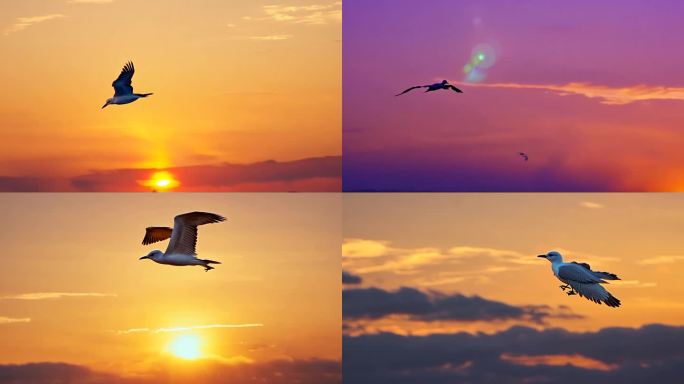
{"x": 524, "y": 155}
{"x": 433, "y": 87}
{"x": 123, "y": 91}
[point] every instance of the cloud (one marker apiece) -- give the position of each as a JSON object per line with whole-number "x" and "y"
{"x": 648, "y": 354}
{"x": 24, "y": 22}
{"x": 313, "y": 371}
{"x": 314, "y": 14}
{"x": 605, "y": 94}
{"x": 188, "y": 328}
{"x": 661, "y": 260}
{"x": 591, "y": 205}
{"x": 350, "y": 279}
{"x": 318, "y": 174}
{"x": 360, "y": 248}
{"x": 10, "y": 320}
{"x": 271, "y": 37}
{"x": 376, "y": 303}
{"x": 55, "y": 295}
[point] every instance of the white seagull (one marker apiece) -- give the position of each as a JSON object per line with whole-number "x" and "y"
{"x": 181, "y": 248}
{"x": 433, "y": 87}
{"x": 579, "y": 278}
{"x": 123, "y": 90}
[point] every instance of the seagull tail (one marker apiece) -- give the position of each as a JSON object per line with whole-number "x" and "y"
{"x": 143, "y": 94}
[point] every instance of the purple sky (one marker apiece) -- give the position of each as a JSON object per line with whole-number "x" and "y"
{"x": 592, "y": 91}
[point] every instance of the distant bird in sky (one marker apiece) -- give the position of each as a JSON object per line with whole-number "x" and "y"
{"x": 123, "y": 90}
{"x": 181, "y": 248}
{"x": 433, "y": 87}
{"x": 524, "y": 155}
{"x": 580, "y": 279}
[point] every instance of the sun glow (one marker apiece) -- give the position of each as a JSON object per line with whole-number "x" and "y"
{"x": 186, "y": 347}
{"x": 161, "y": 181}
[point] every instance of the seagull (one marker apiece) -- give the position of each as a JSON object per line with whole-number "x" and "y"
{"x": 579, "y": 278}
{"x": 123, "y": 90}
{"x": 434, "y": 87}
{"x": 181, "y": 248}
{"x": 524, "y": 155}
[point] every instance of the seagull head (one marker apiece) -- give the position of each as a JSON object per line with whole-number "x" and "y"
{"x": 109, "y": 101}
{"x": 553, "y": 256}
{"x": 444, "y": 82}
{"x": 152, "y": 255}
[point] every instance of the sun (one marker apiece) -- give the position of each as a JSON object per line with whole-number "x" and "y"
{"x": 186, "y": 347}
{"x": 161, "y": 181}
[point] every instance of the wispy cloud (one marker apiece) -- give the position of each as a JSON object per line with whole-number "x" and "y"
{"x": 24, "y": 22}
{"x": 591, "y": 205}
{"x": 187, "y": 328}
{"x": 606, "y": 94}
{"x": 55, "y": 295}
{"x": 661, "y": 260}
{"x": 10, "y": 320}
{"x": 633, "y": 284}
{"x": 305, "y": 14}
{"x": 271, "y": 37}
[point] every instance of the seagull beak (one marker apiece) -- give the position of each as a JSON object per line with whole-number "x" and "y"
{"x": 544, "y": 256}
{"x": 104, "y": 106}
{"x": 144, "y": 257}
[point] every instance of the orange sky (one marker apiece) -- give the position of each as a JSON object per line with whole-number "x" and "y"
{"x": 486, "y": 245}
{"x": 73, "y": 290}
{"x": 236, "y": 82}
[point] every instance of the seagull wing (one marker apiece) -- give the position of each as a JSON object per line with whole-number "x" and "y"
{"x": 586, "y": 283}
{"x": 578, "y": 273}
{"x": 184, "y": 236}
{"x": 596, "y": 293}
{"x": 155, "y": 234}
{"x": 122, "y": 84}
{"x": 454, "y": 88}
{"x": 410, "y": 89}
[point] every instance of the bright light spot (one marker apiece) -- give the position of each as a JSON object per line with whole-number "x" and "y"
{"x": 161, "y": 181}
{"x": 480, "y": 57}
{"x": 186, "y": 347}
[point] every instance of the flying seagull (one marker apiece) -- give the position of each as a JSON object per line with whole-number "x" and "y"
{"x": 123, "y": 90}
{"x": 433, "y": 87}
{"x": 181, "y": 248}
{"x": 524, "y": 155}
{"x": 579, "y": 278}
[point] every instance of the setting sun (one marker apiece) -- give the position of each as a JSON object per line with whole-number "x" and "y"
{"x": 161, "y": 181}
{"x": 186, "y": 347}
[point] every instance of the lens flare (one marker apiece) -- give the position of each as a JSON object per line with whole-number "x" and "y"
{"x": 482, "y": 57}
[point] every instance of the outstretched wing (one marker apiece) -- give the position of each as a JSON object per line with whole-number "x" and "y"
{"x": 184, "y": 236}
{"x": 410, "y": 89}
{"x": 454, "y": 88}
{"x": 596, "y": 293}
{"x": 155, "y": 234}
{"x": 122, "y": 84}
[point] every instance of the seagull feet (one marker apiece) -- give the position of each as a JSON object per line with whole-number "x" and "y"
{"x": 207, "y": 268}
{"x": 564, "y": 287}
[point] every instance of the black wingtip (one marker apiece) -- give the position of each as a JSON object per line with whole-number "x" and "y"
{"x": 612, "y": 301}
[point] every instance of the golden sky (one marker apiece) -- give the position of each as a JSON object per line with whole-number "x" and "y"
{"x": 486, "y": 245}
{"x": 233, "y": 81}
{"x": 73, "y": 290}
